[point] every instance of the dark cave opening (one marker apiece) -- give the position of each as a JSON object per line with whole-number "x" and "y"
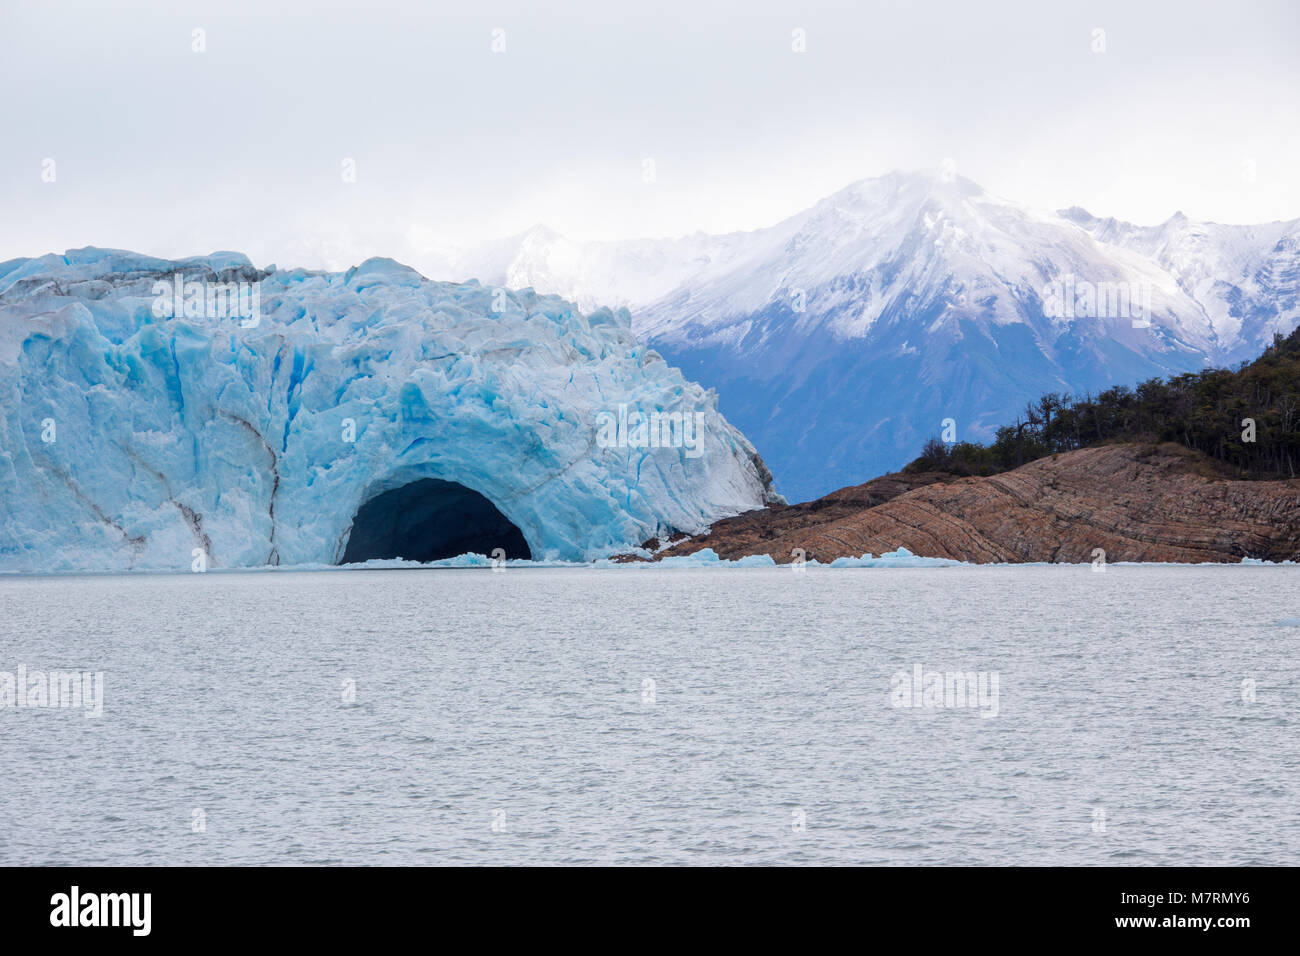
{"x": 428, "y": 520}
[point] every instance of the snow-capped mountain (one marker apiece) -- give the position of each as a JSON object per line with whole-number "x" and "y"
{"x": 842, "y": 337}
{"x": 1245, "y": 279}
{"x": 620, "y": 274}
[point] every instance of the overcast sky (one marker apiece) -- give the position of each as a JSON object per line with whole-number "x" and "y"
{"x": 1192, "y": 106}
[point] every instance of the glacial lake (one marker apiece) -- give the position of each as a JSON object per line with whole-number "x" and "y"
{"x": 1144, "y": 715}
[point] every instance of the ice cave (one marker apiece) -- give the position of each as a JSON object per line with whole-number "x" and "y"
{"x": 429, "y": 520}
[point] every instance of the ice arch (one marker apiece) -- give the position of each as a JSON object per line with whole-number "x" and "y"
{"x": 257, "y": 442}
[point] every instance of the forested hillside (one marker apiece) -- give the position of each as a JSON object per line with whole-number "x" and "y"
{"x": 1248, "y": 420}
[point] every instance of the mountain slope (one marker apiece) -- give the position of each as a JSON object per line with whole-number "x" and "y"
{"x": 842, "y": 337}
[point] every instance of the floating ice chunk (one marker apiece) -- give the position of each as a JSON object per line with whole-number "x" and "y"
{"x": 902, "y": 558}
{"x": 704, "y": 558}
{"x": 707, "y": 556}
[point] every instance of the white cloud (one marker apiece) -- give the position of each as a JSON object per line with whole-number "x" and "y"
{"x": 171, "y": 152}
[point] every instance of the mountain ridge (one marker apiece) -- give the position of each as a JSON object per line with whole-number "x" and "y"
{"x": 841, "y": 337}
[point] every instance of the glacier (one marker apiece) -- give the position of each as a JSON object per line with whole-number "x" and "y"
{"x": 134, "y": 439}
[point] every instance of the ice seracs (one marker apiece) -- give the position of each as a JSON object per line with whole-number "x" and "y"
{"x": 135, "y": 438}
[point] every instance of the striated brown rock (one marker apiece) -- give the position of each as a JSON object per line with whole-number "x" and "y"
{"x": 1137, "y": 502}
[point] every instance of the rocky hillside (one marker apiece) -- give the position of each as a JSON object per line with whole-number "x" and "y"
{"x": 1136, "y": 502}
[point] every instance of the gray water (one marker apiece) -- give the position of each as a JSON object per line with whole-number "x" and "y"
{"x": 468, "y": 716}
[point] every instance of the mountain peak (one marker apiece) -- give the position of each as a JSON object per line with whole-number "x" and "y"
{"x": 942, "y": 181}
{"x": 539, "y": 232}
{"x": 1077, "y": 214}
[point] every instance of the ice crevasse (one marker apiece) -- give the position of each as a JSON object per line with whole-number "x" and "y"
{"x": 131, "y": 439}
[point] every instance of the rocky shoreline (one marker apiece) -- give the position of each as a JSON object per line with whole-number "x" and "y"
{"x": 1135, "y": 502}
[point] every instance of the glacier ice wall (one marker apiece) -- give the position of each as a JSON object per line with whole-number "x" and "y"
{"x": 129, "y": 440}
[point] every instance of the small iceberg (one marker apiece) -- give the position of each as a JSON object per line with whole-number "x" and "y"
{"x": 902, "y": 558}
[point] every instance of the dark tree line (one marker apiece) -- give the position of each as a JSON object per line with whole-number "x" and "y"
{"x": 1203, "y": 411}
